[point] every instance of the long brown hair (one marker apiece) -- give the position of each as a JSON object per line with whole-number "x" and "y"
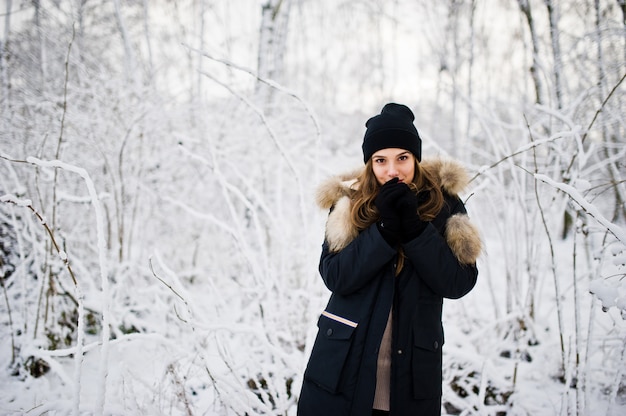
{"x": 364, "y": 212}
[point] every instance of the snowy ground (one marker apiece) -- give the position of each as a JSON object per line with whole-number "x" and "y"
{"x": 212, "y": 353}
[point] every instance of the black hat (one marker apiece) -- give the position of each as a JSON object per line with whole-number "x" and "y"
{"x": 393, "y": 127}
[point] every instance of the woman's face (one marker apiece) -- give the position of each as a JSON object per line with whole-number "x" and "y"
{"x": 393, "y": 163}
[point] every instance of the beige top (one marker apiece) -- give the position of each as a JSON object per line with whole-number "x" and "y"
{"x": 383, "y": 370}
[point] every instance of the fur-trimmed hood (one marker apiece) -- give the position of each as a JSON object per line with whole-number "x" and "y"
{"x": 461, "y": 235}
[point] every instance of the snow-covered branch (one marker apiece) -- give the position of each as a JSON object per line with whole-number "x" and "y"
{"x": 586, "y": 206}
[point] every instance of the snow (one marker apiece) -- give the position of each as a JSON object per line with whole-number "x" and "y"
{"x": 177, "y": 184}
{"x": 616, "y": 230}
{"x": 619, "y": 260}
{"x": 606, "y": 293}
{"x": 15, "y": 200}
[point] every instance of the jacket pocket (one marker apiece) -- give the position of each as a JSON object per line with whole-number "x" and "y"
{"x": 331, "y": 348}
{"x": 426, "y": 362}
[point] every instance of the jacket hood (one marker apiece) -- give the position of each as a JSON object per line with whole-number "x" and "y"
{"x": 462, "y": 236}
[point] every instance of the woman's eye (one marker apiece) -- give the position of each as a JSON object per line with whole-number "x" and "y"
{"x": 403, "y": 157}
{"x": 379, "y": 160}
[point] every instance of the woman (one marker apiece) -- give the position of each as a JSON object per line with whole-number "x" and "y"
{"x": 398, "y": 241}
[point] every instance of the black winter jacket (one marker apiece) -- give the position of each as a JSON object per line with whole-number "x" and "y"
{"x": 359, "y": 270}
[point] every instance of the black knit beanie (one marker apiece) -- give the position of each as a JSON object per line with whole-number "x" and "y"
{"x": 393, "y": 127}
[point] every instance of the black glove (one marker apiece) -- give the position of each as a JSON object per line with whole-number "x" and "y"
{"x": 390, "y": 224}
{"x": 407, "y": 204}
{"x": 387, "y": 198}
{"x": 412, "y": 224}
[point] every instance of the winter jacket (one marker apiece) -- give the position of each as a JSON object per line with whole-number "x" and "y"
{"x": 359, "y": 269}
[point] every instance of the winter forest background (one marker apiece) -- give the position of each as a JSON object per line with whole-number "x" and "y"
{"x": 159, "y": 238}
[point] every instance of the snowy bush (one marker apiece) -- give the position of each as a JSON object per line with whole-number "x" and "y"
{"x": 158, "y": 160}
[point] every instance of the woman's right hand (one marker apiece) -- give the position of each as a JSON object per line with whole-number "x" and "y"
{"x": 388, "y": 197}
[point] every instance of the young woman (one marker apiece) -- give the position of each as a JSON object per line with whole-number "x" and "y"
{"x": 398, "y": 240}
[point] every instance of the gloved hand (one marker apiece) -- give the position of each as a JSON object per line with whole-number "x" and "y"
{"x": 407, "y": 204}
{"x": 412, "y": 224}
{"x": 390, "y": 224}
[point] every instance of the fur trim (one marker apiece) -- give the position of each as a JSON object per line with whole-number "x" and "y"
{"x": 332, "y": 189}
{"x": 339, "y": 228}
{"x": 336, "y": 192}
{"x": 452, "y": 176}
{"x": 463, "y": 238}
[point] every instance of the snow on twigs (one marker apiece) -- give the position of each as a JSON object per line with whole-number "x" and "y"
{"x": 100, "y": 399}
{"x": 611, "y": 293}
{"x": 15, "y": 200}
{"x": 197, "y": 288}
{"x": 589, "y": 208}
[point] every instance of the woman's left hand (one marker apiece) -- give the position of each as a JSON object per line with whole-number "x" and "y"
{"x": 412, "y": 224}
{"x": 407, "y": 204}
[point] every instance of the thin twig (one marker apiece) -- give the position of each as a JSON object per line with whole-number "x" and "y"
{"x": 165, "y": 283}
{"x": 552, "y": 255}
{"x": 62, "y": 254}
{"x": 6, "y": 298}
{"x": 593, "y": 120}
{"x": 523, "y": 149}
{"x": 57, "y": 154}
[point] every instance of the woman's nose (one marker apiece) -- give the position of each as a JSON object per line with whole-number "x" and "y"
{"x": 392, "y": 171}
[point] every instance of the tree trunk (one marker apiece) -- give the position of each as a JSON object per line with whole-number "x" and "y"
{"x": 272, "y": 46}
{"x": 622, "y": 6}
{"x": 613, "y": 170}
{"x": 553, "y": 15}
{"x": 524, "y": 6}
{"x": 470, "y": 79}
{"x": 42, "y": 47}
{"x": 453, "y": 26}
{"x": 146, "y": 30}
{"x": 4, "y": 67}
{"x": 128, "y": 50}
